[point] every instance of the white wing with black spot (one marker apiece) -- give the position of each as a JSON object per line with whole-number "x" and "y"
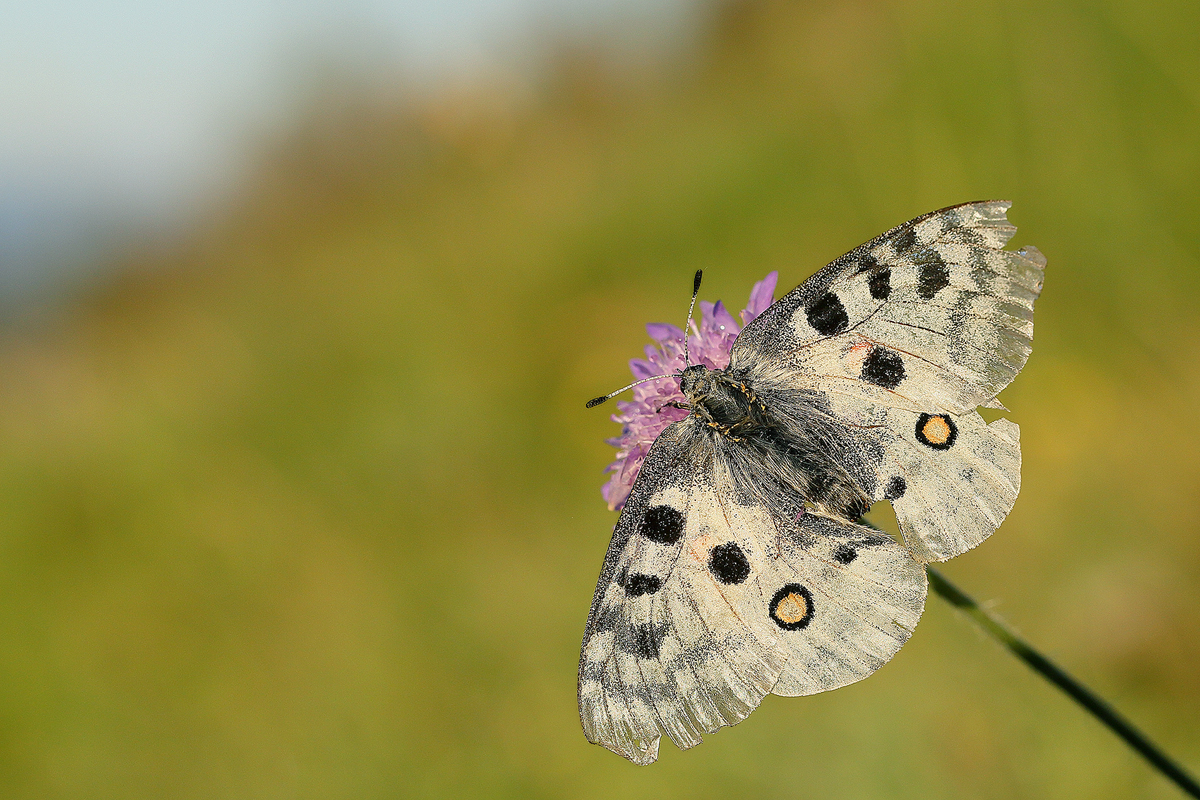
{"x": 951, "y": 479}
{"x": 709, "y": 600}
{"x": 864, "y": 596}
{"x": 931, "y": 316}
{"x": 901, "y": 339}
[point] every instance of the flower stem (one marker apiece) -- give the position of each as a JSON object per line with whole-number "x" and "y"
{"x": 999, "y": 631}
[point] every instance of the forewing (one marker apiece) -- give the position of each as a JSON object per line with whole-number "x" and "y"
{"x": 691, "y": 625}
{"x": 931, "y": 316}
{"x": 663, "y": 648}
{"x": 926, "y": 322}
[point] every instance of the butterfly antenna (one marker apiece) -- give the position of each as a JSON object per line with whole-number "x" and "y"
{"x": 687, "y": 328}
{"x": 595, "y": 401}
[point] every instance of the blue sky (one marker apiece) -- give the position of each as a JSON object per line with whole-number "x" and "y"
{"x": 130, "y": 112}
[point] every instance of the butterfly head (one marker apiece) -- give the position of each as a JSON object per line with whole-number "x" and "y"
{"x": 695, "y": 382}
{"x": 725, "y": 403}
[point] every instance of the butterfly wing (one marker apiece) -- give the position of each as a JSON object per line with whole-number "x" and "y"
{"x": 900, "y": 340}
{"x": 712, "y": 596}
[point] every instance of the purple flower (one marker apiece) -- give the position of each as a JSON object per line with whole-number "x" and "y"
{"x": 645, "y": 416}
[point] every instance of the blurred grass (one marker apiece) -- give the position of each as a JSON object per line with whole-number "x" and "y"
{"x": 309, "y": 506}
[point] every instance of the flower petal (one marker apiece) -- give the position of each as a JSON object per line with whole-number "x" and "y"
{"x": 662, "y": 332}
{"x": 724, "y": 320}
{"x": 642, "y": 368}
{"x": 761, "y": 297}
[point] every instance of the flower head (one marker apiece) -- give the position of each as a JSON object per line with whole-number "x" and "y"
{"x": 644, "y": 417}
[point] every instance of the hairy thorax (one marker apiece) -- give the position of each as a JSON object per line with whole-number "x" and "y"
{"x": 800, "y": 456}
{"x": 727, "y": 404}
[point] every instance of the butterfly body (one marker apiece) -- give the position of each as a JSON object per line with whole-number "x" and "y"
{"x": 737, "y": 568}
{"x": 724, "y": 402}
{"x": 796, "y": 458}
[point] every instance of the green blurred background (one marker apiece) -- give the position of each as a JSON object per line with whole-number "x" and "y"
{"x": 307, "y": 504}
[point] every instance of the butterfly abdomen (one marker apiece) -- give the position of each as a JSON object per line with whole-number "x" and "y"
{"x": 809, "y": 467}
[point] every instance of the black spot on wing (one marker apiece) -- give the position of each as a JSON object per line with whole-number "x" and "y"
{"x": 607, "y": 617}
{"x": 867, "y": 263}
{"x": 728, "y": 563}
{"x": 932, "y": 276}
{"x": 844, "y": 554}
{"x": 968, "y": 236}
{"x": 642, "y": 640}
{"x": 895, "y": 488}
{"x": 983, "y": 276}
{"x": 639, "y": 584}
{"x": 827, "y": 315}
{"x": 883, "y": 367}
{"x": 662, "y": 524}
{"x": 905, "y": 239}
{"x": 880, "y": 283}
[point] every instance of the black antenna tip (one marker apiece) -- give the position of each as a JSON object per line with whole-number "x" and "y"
{"x": 595, "y": 401}
{"x": 696, "y": 285}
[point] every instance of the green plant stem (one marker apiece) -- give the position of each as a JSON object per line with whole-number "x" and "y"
{"x": 999, "y": 631}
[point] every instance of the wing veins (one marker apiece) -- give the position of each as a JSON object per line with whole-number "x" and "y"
{"x": 939, "y": 333}
{"x": 985, "y": 317}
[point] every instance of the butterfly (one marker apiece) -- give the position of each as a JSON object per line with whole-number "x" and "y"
{"x": 737, "y": 568}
